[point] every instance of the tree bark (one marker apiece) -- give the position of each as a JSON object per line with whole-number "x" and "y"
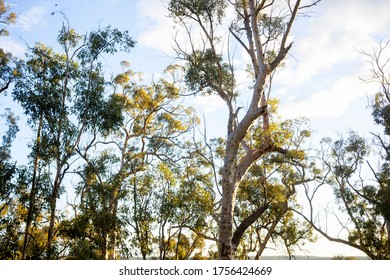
{"x": 246, "y": 223}
{"x": 226, "y": 251}
{"x": 32, "y": 192}
{"x": 53, "y": 207}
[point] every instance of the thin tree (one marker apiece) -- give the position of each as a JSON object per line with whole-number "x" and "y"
{"x": 360, "y": 186}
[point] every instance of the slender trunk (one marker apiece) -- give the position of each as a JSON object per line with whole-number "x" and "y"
{"x": 261, "y": 249}
{"x": 53, "y": 207}
{"x": 59, "y": 163}
{"x": 269, "y": 234}
{"x": 162, "y": 236}
{"x": 113, "y": 208}
{"x": 178, "y": 244}
{"x": 104, "y": 246}
{"x": 57, "y": 181}
{"x": 163, "y": 224}
{"x": 112, "y": 235}
{"x": 32, "y": 192}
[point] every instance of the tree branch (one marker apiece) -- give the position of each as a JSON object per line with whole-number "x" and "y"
{"x": 338, "y": 240}
{"x": 247, "y": 222}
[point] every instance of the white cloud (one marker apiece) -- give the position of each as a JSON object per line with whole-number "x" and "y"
{"x": 35, "y": 17}
{"x": 155, "y": 26}
{"x": 10, "y": 45}
{"x": 334, "y": 36}
{"x": 329, "y": 103}
{"x": 209, "y": 103}
{"x": 327, "y": 50}
{"x": 160, "y": 32}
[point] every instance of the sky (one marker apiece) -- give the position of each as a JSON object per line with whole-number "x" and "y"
{"x": 321, "y": 80}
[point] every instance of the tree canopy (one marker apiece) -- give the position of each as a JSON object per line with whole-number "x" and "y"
{"x": 122, "y": 167}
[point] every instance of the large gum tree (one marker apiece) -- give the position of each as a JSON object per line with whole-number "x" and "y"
{"x": 261, "y": 28}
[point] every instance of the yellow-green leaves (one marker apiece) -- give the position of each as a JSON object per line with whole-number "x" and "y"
{"x": 122, "y": 79}
{"x": 152, "y": 109}
{"x": 6, "y": 17}
{"x": 143, "y": 98}
{"x": 68, "y": 38}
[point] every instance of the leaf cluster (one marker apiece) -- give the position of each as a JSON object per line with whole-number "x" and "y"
{"x": 200, "y": 9}
{"x": 206, "y": 71}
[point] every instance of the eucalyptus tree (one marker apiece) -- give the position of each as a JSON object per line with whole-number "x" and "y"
{"x": 261, "y": 29}
{"x": 365, "y": 203}
{"x": 15, "y": 199}
{"x": 185, "y": 206}
{"x": 87, "y": 233}
{"x": 63, "y": 96}
{"x": 360, "y": 194}
{"x": 153, "y": 132}
{"x": 8, "y": 189}
{"x": 7, "y": 169}
{"x": 8, "y": 69}
{"x": 267, "y": 196}
{"x": 151, "y": 128}
{"x": 358, "y": 170}
{"x": 380, "y": 104}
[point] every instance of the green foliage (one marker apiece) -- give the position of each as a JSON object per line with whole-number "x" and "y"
{"x": 206, "y": 71}
{"x": 9, "y": 238}
{"x": 381, "y": 111}
{"x": 56, "y": 86}
{"x": 9, "y": 65}
{"x": 6, "y": 17}
{"x": 367, "y": 206}
{"x": 171, "y": 202}
{"x": 63, "y": 95}
{"x": 349, "y": 153}
{"x": 272, "y": 27}
{"x": 342, "y": 257}
{"x": 9, "y": 69}
{"x": 201, "y": 9}
{"x": 39, "y": 90}
{"x": 10, "y": 134}
{"x": 8, "y": 171}
{"x": 89, "y": 231}
{"x": 107, "y": 40}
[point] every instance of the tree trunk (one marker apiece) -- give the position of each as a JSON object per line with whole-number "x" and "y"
{"x": 32, "y": 192}
{"x": 226, "y": 249}
{"x": 104, "y": 246}
{"x": 112, "y": 236}
{"x": 53, "y": 207}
